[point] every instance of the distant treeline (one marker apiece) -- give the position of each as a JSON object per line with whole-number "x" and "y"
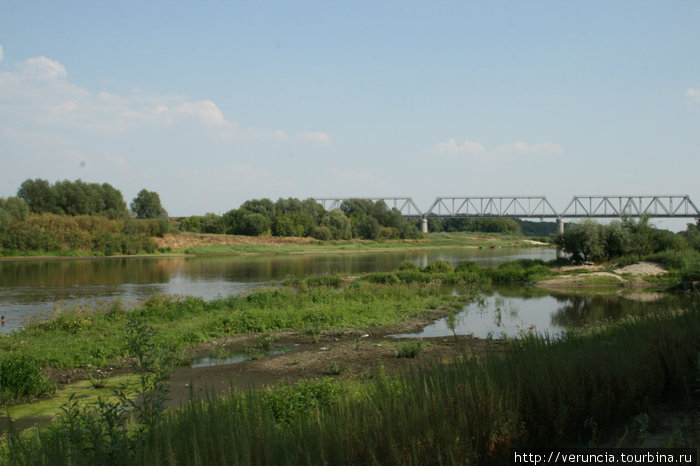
{"x": 494, "y": 225}
{"x": 356, "y": 218}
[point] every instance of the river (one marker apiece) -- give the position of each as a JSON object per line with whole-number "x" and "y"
{"x": 30, "y": 288}
{"x": 35, "y": 289}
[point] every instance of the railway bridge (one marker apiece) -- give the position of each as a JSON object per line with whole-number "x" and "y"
{"x": 615, "y": 206}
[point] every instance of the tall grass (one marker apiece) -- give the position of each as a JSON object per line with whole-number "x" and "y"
{"x": 22, "y": 376}
{"x": 543, "y": 392}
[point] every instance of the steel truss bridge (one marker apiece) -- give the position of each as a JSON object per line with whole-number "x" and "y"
{"x": 662, "y": 206}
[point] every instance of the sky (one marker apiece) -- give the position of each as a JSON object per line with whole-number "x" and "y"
{"x": 212, "y": 103}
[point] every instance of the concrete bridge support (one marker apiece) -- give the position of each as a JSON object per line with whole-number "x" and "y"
{"x": 424, "y": 225}
{"x": 560, "y": 226}
{"x": 560, "y": 231}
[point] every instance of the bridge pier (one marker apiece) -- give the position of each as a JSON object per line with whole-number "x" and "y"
{"x": 560, "y": 226}
{"x": 560, "y": 231}
{"x": 423, "y": 225}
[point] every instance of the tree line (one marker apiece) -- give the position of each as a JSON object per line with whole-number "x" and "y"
{"x": 356, "y": 218}
{"x": 69, "y": 216}
{"x": 80, "y": 198}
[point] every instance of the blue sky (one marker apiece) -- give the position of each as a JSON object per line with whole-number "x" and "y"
{"x": 213, "y": 103}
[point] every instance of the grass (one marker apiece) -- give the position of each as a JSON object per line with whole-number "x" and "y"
{"x": 431, "y": 240}
{"x": 95, "y": 337}
{"x": 544, "y": 392}
{"x": 83, "y": 390}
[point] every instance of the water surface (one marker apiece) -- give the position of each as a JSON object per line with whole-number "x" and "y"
{"x": 34, "y": 288}
{"x": 514, "y": 311}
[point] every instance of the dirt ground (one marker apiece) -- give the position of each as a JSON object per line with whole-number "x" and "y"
{"x": 186, "y": 240}
{"x": 342, "y": 353}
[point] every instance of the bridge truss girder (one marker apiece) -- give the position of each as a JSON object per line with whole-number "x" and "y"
{"x": 405, "y": 205}
{"x": 662, "y": 206}
{"x": 492, "y": 206}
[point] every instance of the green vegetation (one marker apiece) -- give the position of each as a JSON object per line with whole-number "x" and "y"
{"x": 72, "y": 218}
{"x": 72, "y": 198}
{"x": 408, "y": 349}
{"x": 431, "y": 240}
{"x": 21, "y": 376}
{"x": 180, "y": 322}
{"x": 72, "y": 235}
{"x": 544, "y": 392}
{"x": 355, "y": 218}
{"x": 589, "y": 240}
{"x": 146, "y": 204}
{"x": 629, "y": 242}
{"x": 95, "y": 337}
{"x": 520, "y": 271}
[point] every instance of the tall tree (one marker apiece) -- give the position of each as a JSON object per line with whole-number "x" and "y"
{"x": 39, "y": 196}
{"x": 146, "y": 204}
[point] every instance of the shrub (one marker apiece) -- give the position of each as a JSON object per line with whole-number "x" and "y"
{"x": 289, "y": 402}
{"x": 381, "y": 277}
{"x": 408, "y": 349}
{"x": 439, "y": 266}
{"x": 323, "y": 280}
{"x": 20, "y": 376}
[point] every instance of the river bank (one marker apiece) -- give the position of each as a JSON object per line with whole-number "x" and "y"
{"x": 203, "y": 244}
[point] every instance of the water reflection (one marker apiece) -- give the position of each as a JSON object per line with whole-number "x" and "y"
{"x": 513, "y": 311}
{"x": 29, "y": 288}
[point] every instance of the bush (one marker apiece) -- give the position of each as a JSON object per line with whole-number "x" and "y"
{"x": 439, "y": 266}
{"x": 20, "y": 376}
{"x": 409, "y": 267}
{"x": 408, "y": 349}
{"x": 381, "y": 277}
{"x": 323, "y": 280}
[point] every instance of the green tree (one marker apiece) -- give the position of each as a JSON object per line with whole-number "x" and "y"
{"x": 284, "y": 225}
{"x": 616, "y": 239}
{"x": 368, "y": 228}
{"x": 39, "y": 196}
{"x": 146, "y": 204}
{"x": 583, "y": 240}
{"x": 192, "y": 224}
{"x": 264, "y": 207}
{"x": 212, "y": 223}
{"x": 642, "y": 236}
{"x": 338, "y": 224}
{"x": 255, "y": 225}
{"x": 113, "y": 204}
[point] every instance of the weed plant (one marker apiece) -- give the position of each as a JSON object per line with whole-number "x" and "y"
{"x": 408, "y": 349}
{"x": 22, "y": 376}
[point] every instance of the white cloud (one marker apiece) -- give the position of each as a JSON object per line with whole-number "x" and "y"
{"x": 451, "y": 147}
{"x": 545, "y": 148}
{"x": 2, "y": 54}
{"x": 317, "y": 138}
{"x": 693, "y": 93}
{"x": 205, "y": 110}
{"x": 42, "y": 68}
{"x": 38, "y": 97}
